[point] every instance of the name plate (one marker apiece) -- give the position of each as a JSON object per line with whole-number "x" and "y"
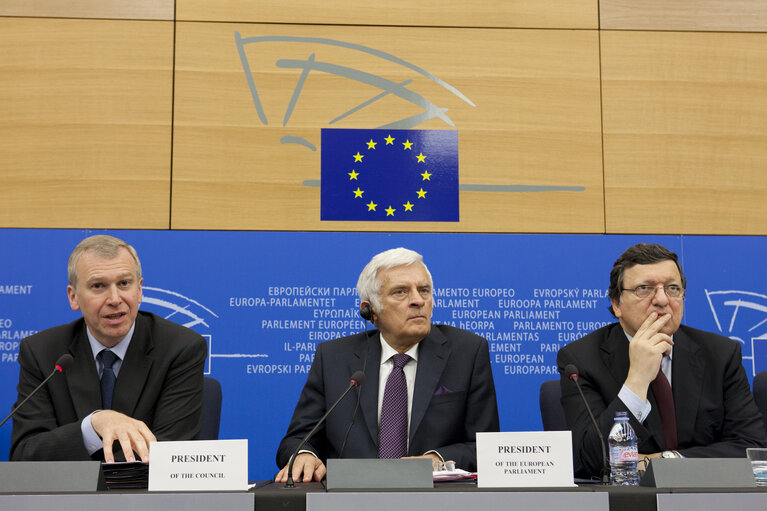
{"x": 199, "y": 465}
{"x": 524, "y": 458}
{"x": 698, "y": 473}
{"x": 379, "y": 473}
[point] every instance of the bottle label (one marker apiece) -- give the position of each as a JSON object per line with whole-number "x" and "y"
{"x": 619, "y": 454}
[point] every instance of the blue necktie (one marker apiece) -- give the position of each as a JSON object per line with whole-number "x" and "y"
{"x": 108, "y": 378}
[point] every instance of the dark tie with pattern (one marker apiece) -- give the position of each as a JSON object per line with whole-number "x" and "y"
{"x": 393, "y": 434}
{"x": 664, "y": 399}
{"x": 108, "y": 378}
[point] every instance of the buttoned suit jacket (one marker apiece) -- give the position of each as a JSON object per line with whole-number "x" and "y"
{"x": 454, "y": 398}
{"x": 716, "y": 415}
{"x": 159, "y": 383}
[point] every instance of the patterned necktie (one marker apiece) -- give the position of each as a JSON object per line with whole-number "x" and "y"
{"x": 665, "y": 401}
{"x": 108, "y": 378}
{"x": 393, "y": 434}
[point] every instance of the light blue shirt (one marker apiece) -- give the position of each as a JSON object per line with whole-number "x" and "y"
{"x": 91, "y": 439}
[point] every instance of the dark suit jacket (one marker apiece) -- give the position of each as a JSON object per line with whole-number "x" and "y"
{"x": 160, "y": 383}
{"x": 454, "y": 398}
{"x": 715, "y": 411}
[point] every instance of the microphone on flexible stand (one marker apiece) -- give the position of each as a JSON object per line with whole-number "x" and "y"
{"x": 63, "y": 362}
{"x": 367, "y": 314}
{"x": 357, "y": 379}
{"x": 572, "y": 372}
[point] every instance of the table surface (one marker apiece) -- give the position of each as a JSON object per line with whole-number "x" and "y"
{"x": 275, "y": 497}
{"x": 269, "y": 496}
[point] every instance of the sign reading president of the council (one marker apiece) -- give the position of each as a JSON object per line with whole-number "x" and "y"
{"x": 390, "y": 175}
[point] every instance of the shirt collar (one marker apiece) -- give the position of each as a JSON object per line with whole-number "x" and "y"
{"x": 388, "y": 352}
{"x": 119, "y": 349}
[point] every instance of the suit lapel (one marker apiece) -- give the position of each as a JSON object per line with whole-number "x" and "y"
{"x": 369, "y": 352}
{"x": 433, "y": 352}
{"x": 134, "y": 369}
{"x": 615, "y": 353}
{"x": 82, "y": 378}
{"x": 686, "y": 383}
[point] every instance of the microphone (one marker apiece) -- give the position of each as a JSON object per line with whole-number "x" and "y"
{"x": 367, "y": 314}
{"x": 357, "y": 379}
{"x": 572, "y": 372}
{"x": 63, "y": 362}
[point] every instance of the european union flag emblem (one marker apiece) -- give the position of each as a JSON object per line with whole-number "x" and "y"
{"x": 390, "y": 175}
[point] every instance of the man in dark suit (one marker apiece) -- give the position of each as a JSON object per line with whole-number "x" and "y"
{"x": 449, "y": 396}
{"x": 708, "y": 411}
{"x": 158, "y": 366}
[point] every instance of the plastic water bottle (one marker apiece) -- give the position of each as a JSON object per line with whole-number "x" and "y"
{"x": 623, "y": 452}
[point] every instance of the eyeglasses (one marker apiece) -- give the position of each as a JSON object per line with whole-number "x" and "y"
{"x": 646, "y": 291}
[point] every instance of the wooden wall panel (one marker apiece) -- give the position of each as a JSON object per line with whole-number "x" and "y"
{"x": 699, "y": 15}
{"x": 86, "y": 123}
{"x": 685, "y": 132}
{"x": 121, "y": 9}
{"x": 450, "y": 13}
{"x": 536, "y": 123}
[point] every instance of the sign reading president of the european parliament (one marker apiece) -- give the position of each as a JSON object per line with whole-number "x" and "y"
{"x": 390, "y": 175}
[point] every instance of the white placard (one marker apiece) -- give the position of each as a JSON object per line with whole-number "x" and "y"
{"x": 524, "y": 459}
{"x": 200, "y": 465}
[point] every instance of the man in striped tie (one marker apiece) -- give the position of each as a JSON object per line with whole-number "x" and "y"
{"x": 429, "y": 387}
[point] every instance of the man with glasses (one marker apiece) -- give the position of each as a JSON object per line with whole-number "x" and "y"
{"x": 685, "y": 389}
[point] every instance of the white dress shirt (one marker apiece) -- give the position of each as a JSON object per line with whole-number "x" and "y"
{"x": 387, "y": 365}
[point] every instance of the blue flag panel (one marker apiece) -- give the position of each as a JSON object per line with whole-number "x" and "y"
{"x": 390, "y": 175}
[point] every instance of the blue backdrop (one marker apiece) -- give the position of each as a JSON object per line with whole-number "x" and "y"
{"x": 265, "y": 299}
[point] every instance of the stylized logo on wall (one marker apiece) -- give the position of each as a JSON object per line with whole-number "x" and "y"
{"x": 177, "y": 307}
{"x": 182, "y": 310}
{"x": 742, "y": 316}
{"x": 425, "y": 109}
{"x": 190, "y": 313}
{"x": 384, "y": 88}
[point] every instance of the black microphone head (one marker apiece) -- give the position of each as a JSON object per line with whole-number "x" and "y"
{"x": 358, "y": 378}
{"x": 64, "y": 362}
{"x": 571, "y": 371}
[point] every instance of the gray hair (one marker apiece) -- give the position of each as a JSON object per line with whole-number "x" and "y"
{"x": 104, "y": 246}
{"x": 369, "y": 286}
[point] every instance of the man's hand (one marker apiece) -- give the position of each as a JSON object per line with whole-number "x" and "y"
{"x": 436, "y": 461}
{"x": 307, "y": 464}
{"x": 133, "y": 435}
{"x": 646, "y": 351}
{"x": 644, "y": 460}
